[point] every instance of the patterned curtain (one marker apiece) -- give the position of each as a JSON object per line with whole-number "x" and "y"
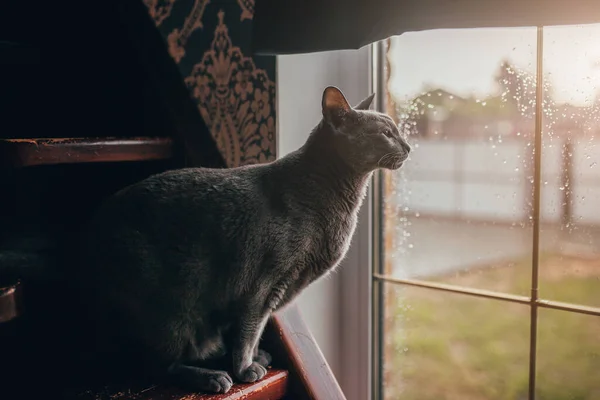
{"x": 235, "y": 93}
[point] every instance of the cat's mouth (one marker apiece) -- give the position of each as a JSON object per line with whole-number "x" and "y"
{"x": 397, "y": 162}
{"x": 392, "y": 161}
{"x": 397, "y": 165}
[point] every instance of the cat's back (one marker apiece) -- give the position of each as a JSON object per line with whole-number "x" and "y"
{"x": 182, "y": 191}
{"x": 168, "y": 210}
{"x": 192, "y": 183}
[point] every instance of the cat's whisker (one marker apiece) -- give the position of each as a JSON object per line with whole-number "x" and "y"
{"x": 381, "y": 159}
{"x": 384, "y": 158}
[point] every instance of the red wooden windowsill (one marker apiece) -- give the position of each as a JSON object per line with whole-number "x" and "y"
{"x": 46, "y": 151}
{"x": 272, "y": 387}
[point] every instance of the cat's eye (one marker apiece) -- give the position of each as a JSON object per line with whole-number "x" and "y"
{"x": 388, "y": 133}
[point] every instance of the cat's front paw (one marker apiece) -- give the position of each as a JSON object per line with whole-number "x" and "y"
{"x": 263, "y": 358}
{"x": 253, "y": 373}
{"x": 218, "y": 382}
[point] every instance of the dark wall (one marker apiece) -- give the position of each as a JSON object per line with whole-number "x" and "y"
{"x": 84, "y": 81}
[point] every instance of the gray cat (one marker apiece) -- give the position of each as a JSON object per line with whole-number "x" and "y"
{"x": 194, "y": 261}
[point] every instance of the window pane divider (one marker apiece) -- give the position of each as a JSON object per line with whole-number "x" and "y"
{"x": 537, "y": 177}
{"x": 489, "y": 294}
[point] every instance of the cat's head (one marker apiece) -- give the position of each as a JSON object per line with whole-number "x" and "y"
{"x": 364, "y": 139}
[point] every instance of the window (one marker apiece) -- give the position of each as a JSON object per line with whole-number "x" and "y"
{"x": 486, "y": 281}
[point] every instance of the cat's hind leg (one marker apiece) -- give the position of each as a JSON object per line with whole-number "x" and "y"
{"x": 177, "y": 346}
{"x": 201, "y": 379}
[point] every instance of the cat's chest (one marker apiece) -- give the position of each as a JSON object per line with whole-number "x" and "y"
{"x": 339, "y": 228}
{"x": 321, "y": 252}
{"x": 333, "y": 242}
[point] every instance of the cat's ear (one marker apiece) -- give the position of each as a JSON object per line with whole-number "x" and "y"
{"x": 366, "y": 103}
{"x": 335, "y": 106}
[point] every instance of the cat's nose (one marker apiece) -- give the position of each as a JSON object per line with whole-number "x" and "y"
{"x": 406, "y": 147}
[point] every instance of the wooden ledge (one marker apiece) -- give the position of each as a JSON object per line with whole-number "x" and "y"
{"x": 46, "y": 151}
{"x": 310, "y": 374}
{"x": 10, "y": 300}
{"x": 272, "y": 387}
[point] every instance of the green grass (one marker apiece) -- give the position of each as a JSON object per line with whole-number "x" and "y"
{"x": 449, "y": 346}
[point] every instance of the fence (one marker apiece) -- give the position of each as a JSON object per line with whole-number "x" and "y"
{"x": 493, "y": 180}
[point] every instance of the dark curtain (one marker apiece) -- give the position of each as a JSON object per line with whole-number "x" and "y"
{"x": 286, "y": 27}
